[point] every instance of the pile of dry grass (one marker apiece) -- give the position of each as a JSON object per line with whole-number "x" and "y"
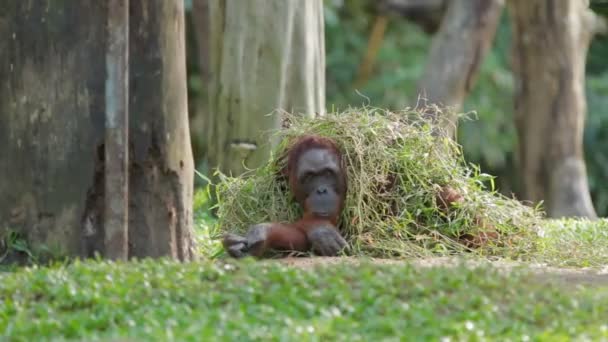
{"x": 396, "y": 163}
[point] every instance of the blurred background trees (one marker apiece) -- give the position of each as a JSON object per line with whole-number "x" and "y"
{"x": 257, "y": 56}
{"x": 457, "y": 50}
{"x": 402, "y": 33}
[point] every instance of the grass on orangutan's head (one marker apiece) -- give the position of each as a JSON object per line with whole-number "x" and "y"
{"x": 396, "y": 164}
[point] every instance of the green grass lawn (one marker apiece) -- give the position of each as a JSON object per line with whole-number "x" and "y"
{"x": 162, "y": 300}
{"x": 573, "y": 243}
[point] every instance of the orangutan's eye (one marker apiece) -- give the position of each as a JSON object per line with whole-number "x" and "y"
{"x": 307, "y": 177}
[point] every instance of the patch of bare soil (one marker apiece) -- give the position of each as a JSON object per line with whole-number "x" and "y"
{"x": 542, "y": 273}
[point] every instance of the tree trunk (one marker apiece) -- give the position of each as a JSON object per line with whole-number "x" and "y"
{"x": 264, "y": 55}
{"x": 457, "y": 51}
{"x": 201, "y": 21}
{"x": 116, "y": 143}
{"x": 550, "y": 42}
{"x": 162, "y": 171}
{"x": 198, "y": 45}
{"x": 52, "y": 74}
{"x": 52, "y": 105}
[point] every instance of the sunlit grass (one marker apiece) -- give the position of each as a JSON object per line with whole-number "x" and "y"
{"x": 573, "y": 242}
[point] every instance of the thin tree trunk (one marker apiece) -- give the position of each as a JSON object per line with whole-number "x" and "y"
{"x": 457, "y": 51}
{"x": 550, "y": 44}
{"x": 264, "y": 55}
{"x": 52, "y": 106}
{"x": 117, "y": 129}
{"x": 200, "y": 21}
{"x": 162, "y": 172}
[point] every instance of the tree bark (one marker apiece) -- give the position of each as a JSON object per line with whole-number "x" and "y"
{"x": 52, "y": 74}
{"x": 116, "y": 215}
{"x": 162, "y": 171}
{"x": 201, "y": 20}
{"x": 52, "y": 105}
{"x": 550, "y": 42}
{"x": 457, "y": 51}
{"x": 264, "y": 55}
{"x": 199, "y": 24}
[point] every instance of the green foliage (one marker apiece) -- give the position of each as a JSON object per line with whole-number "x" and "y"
{"x": 205, "y": 224}
{"x": 155, "y": 300}
{"x": 596, "y": 59}
{"x": 596, "y": 140}
{"x": 14, "y": 248}
{"x": 396, "y": 167}
{"x": 15, "y": 251}
{"x": 398, "y": 66}
{"x": 491, "y": 139}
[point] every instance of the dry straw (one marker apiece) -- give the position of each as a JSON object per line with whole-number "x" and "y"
{"x": 396, "y": 163}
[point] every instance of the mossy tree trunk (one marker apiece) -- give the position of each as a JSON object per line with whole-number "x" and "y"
{"x": 550, "y": 42}
{"x": 457, "y": 51}
{"x": 264, "y": 55}
{"x": 52, "y": 105}
{"x": 52, "y": 74}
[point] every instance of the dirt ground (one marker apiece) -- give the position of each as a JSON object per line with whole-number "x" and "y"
{"x": 542, "y": 273}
